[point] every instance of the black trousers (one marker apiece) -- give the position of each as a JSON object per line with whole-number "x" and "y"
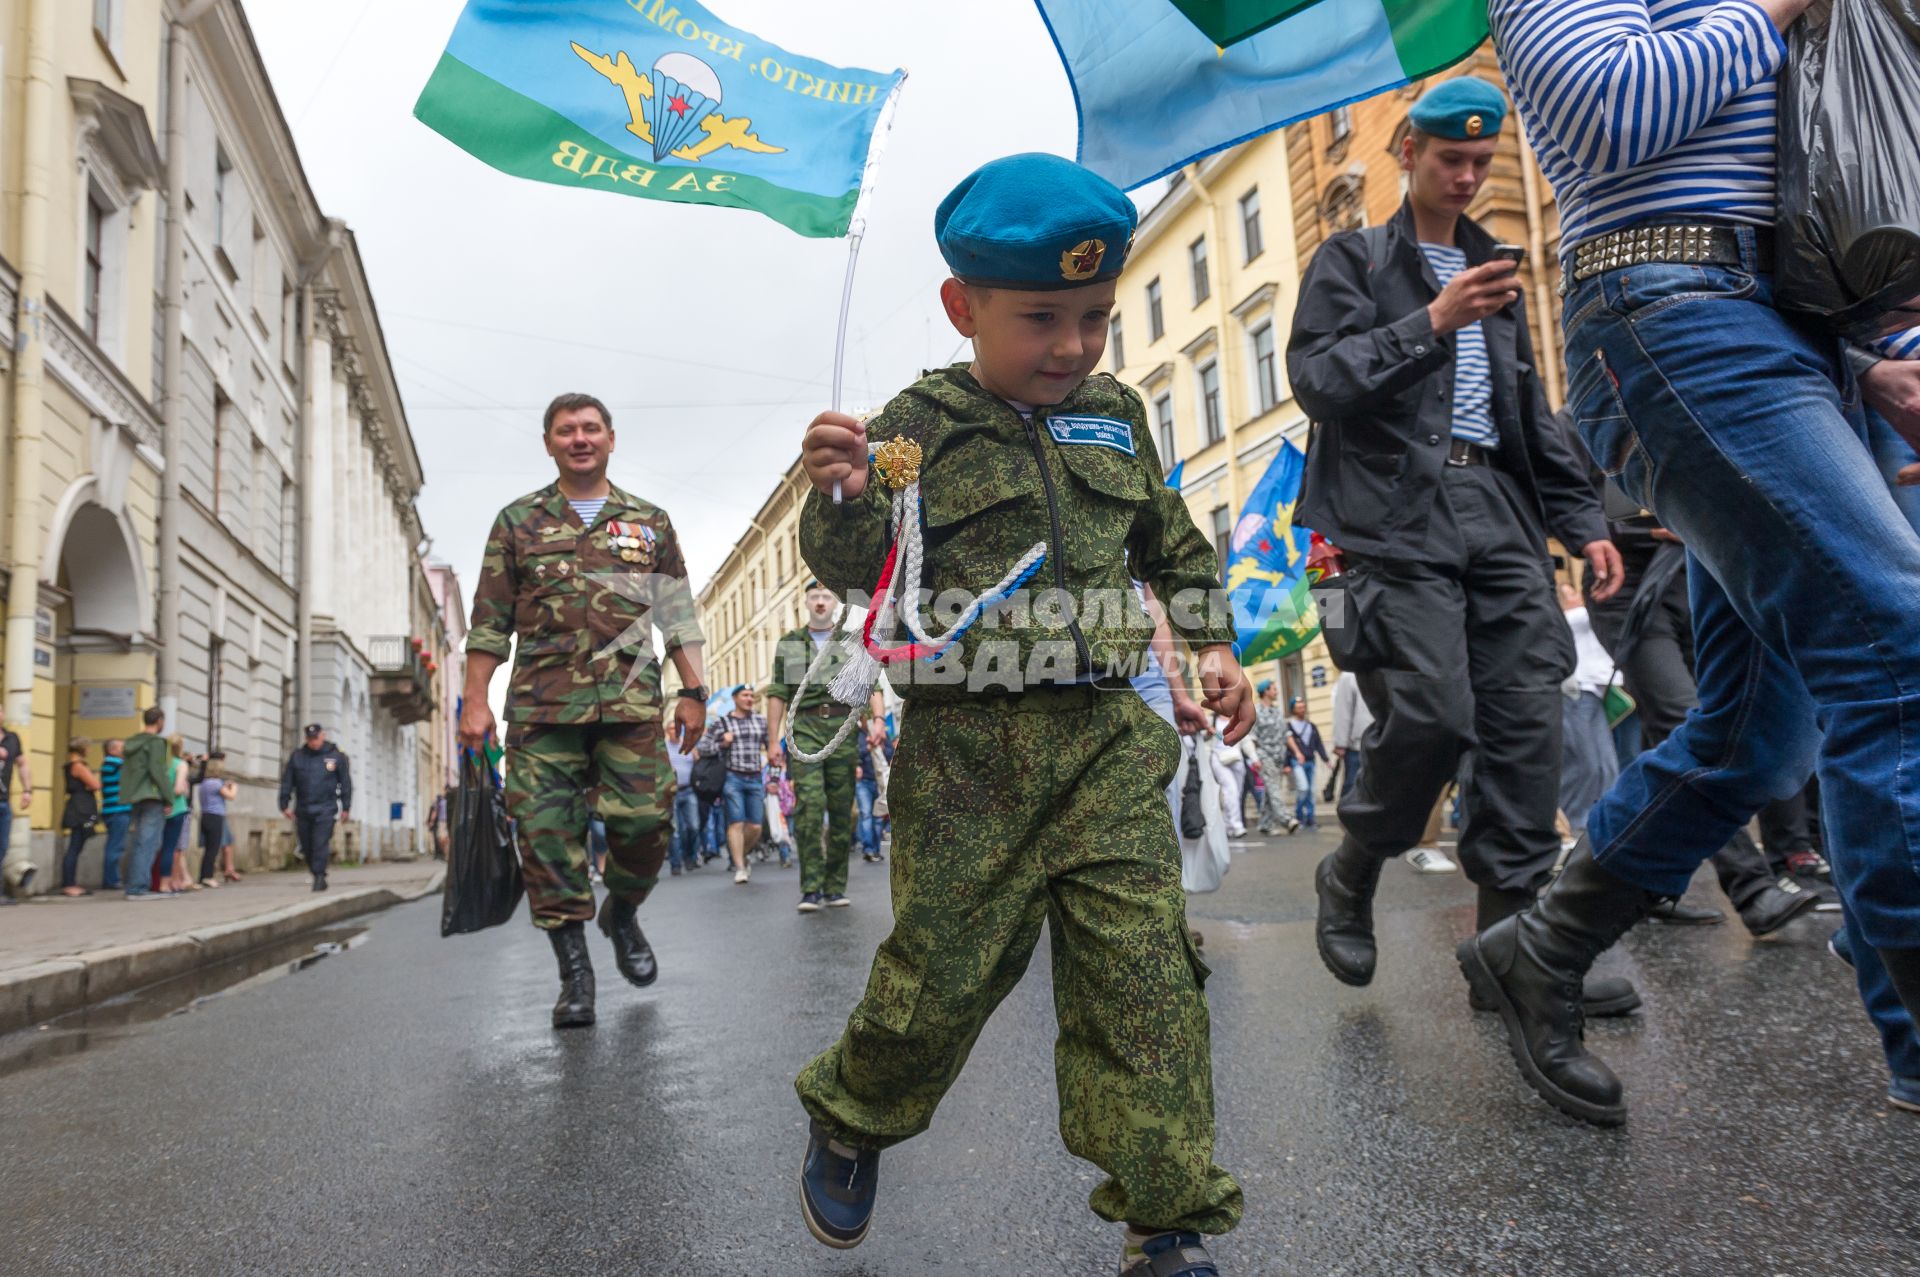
{"x": 316, "y": 837}
{"x": 1478, "y": 650}
{"x": 1658, "y": 672}
{"x": 213, "y": 831}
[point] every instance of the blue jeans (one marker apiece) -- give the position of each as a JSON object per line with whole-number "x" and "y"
{"x": 117, "y": 823}
{"x": 149, "y": 826}
{"x": 1303, "y": 792}
{"x": 713, "y": 838}
{"x": 745, "y": 799}
{"x": 685, "y": 848}
{"x": 866, "y": 830}
{"x": 1744, "y": 432}
{"x": 1355, "y": 760}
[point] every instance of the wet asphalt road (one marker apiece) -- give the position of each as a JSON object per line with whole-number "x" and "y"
{"x": 402, "y": 1107}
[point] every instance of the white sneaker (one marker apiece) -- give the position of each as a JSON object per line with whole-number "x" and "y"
{"x": 743, "y": 873}
{"x": 1430, "y": 860}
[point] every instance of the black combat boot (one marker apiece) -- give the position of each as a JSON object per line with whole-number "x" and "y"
{"x": 574, "y": 1010}
{"x": 1344, "y": 929}
{"x": 1604, "y": 995}
{"x": 1530, "y": 968}
{"x": 631, "y": 952}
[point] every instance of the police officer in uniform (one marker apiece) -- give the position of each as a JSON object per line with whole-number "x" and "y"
{"x": 316, "y": 785}
{"x": 1439, "y": 470}
{"x": 823, "y": 789}
{"x": 580, "y": 573}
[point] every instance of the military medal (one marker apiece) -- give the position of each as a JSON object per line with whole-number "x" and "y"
{"x": 896, "y": 463}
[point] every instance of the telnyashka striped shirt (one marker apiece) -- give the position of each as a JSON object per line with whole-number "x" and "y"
{"x": 1646, "y": 109}
{"x": 110, "y": 804}
{"x": 1472, "y": 374}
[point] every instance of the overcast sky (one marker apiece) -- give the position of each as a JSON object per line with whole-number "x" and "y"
{"x": 708, "y": 331}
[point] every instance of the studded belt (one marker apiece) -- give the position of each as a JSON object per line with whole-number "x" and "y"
{"x": 1691, "y": 243}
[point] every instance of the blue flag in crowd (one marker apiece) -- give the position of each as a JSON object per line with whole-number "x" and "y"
{"x": 1273, "y": 610}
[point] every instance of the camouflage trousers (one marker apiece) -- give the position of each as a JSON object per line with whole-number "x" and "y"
{"x": 558, "y": 775}
{"x": 823, "y": 791}
{"x": 1048, "y": 807}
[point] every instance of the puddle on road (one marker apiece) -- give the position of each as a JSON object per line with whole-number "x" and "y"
{"x": 95, "y": 1026}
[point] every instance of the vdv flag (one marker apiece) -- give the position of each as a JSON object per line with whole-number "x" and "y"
{"x": 1273, "y": 612}
{"x": 657, "y": 99}
{"x": 1154, "y": 91}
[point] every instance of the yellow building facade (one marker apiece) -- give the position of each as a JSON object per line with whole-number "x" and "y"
{"x": 759, "y": 591}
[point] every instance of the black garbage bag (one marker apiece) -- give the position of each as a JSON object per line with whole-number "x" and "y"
{"x": 1849, "y": 176}
{"x": 483, "y": 868}
{"x": 1193, "y": 815}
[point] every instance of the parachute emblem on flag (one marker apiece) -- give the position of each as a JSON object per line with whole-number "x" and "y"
{"x": 684, "y": 93}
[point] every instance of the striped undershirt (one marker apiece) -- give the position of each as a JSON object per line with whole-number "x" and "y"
{"x": 1642, "y": 110}
{"x": 588, "y": 509}
{"x": 1472, "y": 375}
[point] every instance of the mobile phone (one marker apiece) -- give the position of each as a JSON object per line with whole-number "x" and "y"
{"x": 1515, "y": 253}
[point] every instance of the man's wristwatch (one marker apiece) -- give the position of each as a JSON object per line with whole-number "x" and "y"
{"x": 694, "y": 693}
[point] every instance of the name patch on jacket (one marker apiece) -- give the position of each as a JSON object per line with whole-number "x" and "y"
{"x": 1100, "y": 432}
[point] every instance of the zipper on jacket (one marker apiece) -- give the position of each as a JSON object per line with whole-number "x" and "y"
{"x": 1055, "y": 551}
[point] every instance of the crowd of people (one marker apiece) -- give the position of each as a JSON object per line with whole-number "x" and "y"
{"x": 1047, "y": 777}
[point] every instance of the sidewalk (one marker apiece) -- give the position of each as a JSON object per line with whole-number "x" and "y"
{"x": 59, "y": 954}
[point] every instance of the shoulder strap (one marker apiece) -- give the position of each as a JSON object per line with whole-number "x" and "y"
{"x": 1375, "y": 238}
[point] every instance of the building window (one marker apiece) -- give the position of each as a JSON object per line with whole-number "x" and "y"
{"x": 1266, "y": 376}
{"x": 96, "y": 263}
{"x": 1250, "y": 223}
{"x": 1202, "y": 284}
{"x": 216, "y": 653}
{"x": 222, "y": 173}
{"x": 1340, "y": 123}
{"x": 1210, "y": 400}
{"x": 106, "y": 23}
{"x": 1343, "y": 205}
{"x": 1222, "y": 536}
{"x": 1156, "y": 318}
{"x": 1163, "y": 417}
{"x": 1114, "y": 340}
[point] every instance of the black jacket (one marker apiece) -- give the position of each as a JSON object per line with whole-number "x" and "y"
{"x": 319, "y": 778}
{"x": 1378, "y": 384}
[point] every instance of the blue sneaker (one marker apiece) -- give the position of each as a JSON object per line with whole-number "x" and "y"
{"x": 1904, "y": 1094}
{"x": 809, "y": 903}
{"x": 837, "y": 1188}
{"x": 1168, "y": 1255}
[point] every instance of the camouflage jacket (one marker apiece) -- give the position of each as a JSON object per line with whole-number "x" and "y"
{"x": 1082, "y": 476}
{"x": 793, "y": 655}
{"x": 583, "y": 608}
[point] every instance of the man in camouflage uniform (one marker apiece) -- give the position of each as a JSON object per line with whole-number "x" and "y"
{"x": 580, "y": 572}
{"x": 823, "y": 789}
{"x": 1029, "y": 783}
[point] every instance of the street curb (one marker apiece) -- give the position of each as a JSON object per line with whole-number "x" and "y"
{"x": 32, "y": 995}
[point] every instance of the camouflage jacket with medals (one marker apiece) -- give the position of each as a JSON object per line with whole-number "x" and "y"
{"x": 582, "y": 603}
{"x": 992, "y": 485}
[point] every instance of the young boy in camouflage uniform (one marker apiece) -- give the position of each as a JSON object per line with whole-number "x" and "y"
{"x": 581, "y": 573}
{"x": 1029, "y": 782}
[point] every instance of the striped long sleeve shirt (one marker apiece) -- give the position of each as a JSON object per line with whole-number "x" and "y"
{"x": 1648, "y": 109}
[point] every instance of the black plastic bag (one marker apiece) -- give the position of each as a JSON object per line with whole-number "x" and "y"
{"x": 1193, "y": 815}
{"x": 483, "y": 867}
{"x": 1849, "y": 166}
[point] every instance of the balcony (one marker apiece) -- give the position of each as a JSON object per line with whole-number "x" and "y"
{"x": 402, "y": 681}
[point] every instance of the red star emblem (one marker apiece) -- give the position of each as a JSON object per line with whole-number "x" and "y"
{"x": 678, "y": 105}
{"x": 1266, "y": 546}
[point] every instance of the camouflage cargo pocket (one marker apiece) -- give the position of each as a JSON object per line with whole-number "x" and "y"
{"x": 893, "y": 992}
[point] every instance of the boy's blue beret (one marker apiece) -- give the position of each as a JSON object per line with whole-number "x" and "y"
{"x": 1035, "y": 222}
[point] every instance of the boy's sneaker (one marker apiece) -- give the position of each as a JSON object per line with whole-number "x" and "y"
{"x": 1808, "y": 864}
{"x": 742, "y": 874}
{"x": 837, "y": 1188}
{"x": 834, "y": 900}
{"x": 1168, "y": 1255}
{"x": 809, "y": 903}
{"x": 1430, "y": 860}
{"x": 1904, "y": 1094}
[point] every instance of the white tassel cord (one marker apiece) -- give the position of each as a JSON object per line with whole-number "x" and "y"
{"x": 852, "y": 714}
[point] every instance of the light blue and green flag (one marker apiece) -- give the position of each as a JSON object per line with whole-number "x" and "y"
{"x": 657, "y": 99}
{"x": 1273, "y": 611}
{"x": 1156, "y": 85}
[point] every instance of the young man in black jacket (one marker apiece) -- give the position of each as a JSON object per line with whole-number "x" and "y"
{"x": 1438, "y": 469}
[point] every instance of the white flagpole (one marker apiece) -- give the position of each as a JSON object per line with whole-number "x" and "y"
{"x": 856, "y": 231}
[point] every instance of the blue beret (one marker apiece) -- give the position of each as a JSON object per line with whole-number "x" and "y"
{"x": 1035, "y": 222}
{"x": 1463, "y": 109}
{"x": 1265, "y": 683}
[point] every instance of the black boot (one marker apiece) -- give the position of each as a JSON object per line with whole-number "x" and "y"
{"x": 1344, "y": 929}
{"x": 574, "y": 1010}
{"x": 1603, "y": 995}
{"x": 1530, "y": 966}
{"x": 631, "y": 952}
